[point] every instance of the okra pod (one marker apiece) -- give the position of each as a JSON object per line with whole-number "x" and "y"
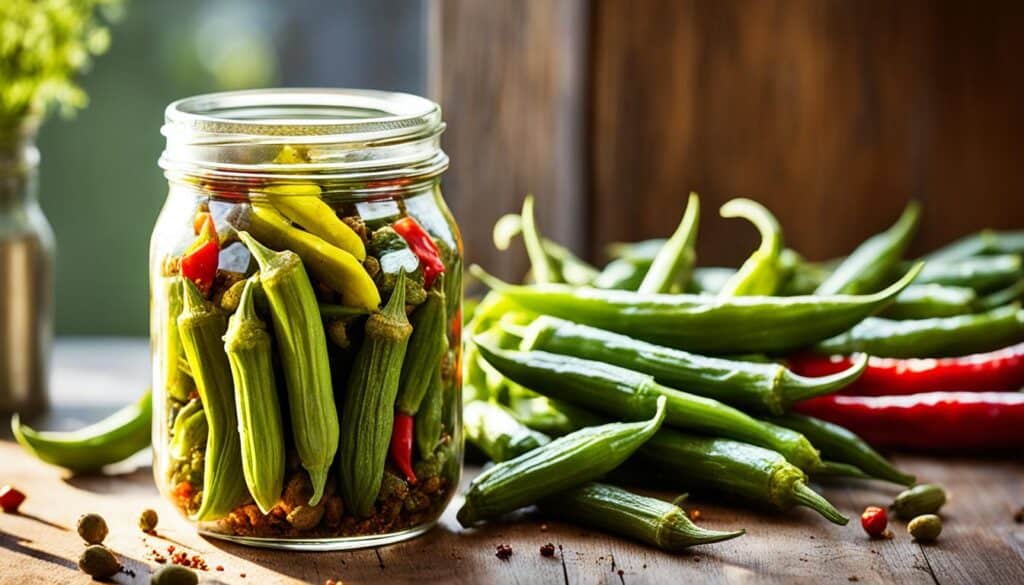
{"x": 762, "y": 272}
{"x": 201, "y": 327}
{"x": 672, "y": 265}
{"x": 429, "y": 419}
{"x": 981, "y": 273}
{"x": 368, "y": 414}
{"x": 562, "y": 464}
{"x": 734, "y": 325}
{"x": 176, "y": 382}
{"x": 867, "y": 268}
{"x": 497, "y": 433}
{"x": 938, "y": 337}
{"x": 247, "y": 343}
{"x": 552, "y": 417}
{"x": 643, "y": 518}
{"x": 762, "y": 387}
{"x": 428, "y": 342}
{"x": 302, "y": 346}
{"x": 623, "y": 393}
{"x": 835, "y": 442}
{"x": 727, "y": 466}
{"x": 925, "y": 301}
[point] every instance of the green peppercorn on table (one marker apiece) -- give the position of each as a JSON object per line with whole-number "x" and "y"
{"x": 980, "y": 542}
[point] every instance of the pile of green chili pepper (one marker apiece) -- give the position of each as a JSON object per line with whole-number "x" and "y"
{"x": 578, "y": 351}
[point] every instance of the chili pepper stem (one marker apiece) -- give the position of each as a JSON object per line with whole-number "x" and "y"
{"x": 677, "y": 531}
{"x": 805, "y": 496}
{"x": 795, "y": 387}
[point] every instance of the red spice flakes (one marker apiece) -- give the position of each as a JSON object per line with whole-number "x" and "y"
{"x": 695, "y": 514}
{"x": 503, "y": 552}
{"x": 548, "y": 550}
{"x": 11, "y": 499}
{"x": 219, "y": 568}
{"x": 242, "y": 575}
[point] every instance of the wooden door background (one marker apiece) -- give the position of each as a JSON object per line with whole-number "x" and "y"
{"x": 832, "y": 113}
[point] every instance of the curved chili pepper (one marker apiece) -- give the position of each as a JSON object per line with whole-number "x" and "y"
{"x": 954, "y": 421}
{"x": 401, "y": 445}
{"x": 995, "y": 371}
{"x": 423, "y": 246}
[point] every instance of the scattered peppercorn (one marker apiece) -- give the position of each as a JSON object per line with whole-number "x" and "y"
{"x": 11, "y": 499}
{"x": 92, "y": 528}
{"x": 503, "y": 552}
{"x": 925, "y": 528}
{"x": 148, "y": 520}
{"x": 548, "y": 550}
{"x": 874, "y": 520}
{"x": 175, "y": 575}
{"x": 97, "y": 561}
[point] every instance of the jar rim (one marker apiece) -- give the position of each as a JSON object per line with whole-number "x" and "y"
{"x": 354, "y": 133}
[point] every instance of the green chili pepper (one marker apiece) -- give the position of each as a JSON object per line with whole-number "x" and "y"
{"x": 938, "y": 337}
{"x": 978, "y": 244}
{"x": 867, "y": 268}
{"x": 801, "y": 277}
{"x": 837, "y": 469}
{"x": 201, "y": 327}
{"x": 543, "y": 268}
{"x": 618, "y": 511}
{"x": 726, "y": 466}
{"x": 113, "y": 439}
{"x": 496, "y": 432}
{"x": 623, "y": 393}
{"x": 247, "y": 343}
{"x": 302, "y": 346}
{"x": 368, "y": 414}
{"x": 671, "y": 267}
{"x": 982, "y": 273}
{"x": 562, "y": 464}
{"x": 763, "y": 387}
{"x": 644, "y": 250}
{"x": 924, "y": 301}
{"x": 1004, "y": 296}
{"x": 844, "y": 446}
{"x": 569, "y": 268}
{"x": 553, "y": 417}
{"x": 762, "y": 272}
{"x": 724, "y": 325}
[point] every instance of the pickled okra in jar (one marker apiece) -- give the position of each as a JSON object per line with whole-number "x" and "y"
{"x": 306, "y": 298}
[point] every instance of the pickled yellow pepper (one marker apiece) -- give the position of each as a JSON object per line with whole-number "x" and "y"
{"x": 301, "y": 203}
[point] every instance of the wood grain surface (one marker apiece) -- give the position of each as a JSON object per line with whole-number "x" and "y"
{"x": 980, "y": 542}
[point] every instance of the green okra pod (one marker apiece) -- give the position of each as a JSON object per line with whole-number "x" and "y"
{"x": 672, "y": 265}
{"x": 762, "y": 272}
{"x": 247, "y": 344}
{"x": 368, "y": 413}
{"x": 762, "y": 387}
{"x": 868, "y": 267}
{"x": 562, "y": 464}
{"x": 497, "y": 433}
{"x": 836, "y": 442}
{"x": 429, "y": 420}
{"x": 726, "y": 466}
{"x": 201, "y": 327}
{"x": 190, "y": 430}
{"x": 925, "y": 301}
{"x": 982, "y": 273}
{"x": 938, "y": 337}
{"x": 428, "y": 342}
{"x": 643, "y": 518}
{"x": 302, "y": 346}
{"x": 631, "y": 395}
{"x": 734, "y": 325}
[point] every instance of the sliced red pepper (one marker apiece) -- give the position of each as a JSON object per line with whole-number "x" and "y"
{"x": 996, "y": 371}
{"x": 401, "y": 445}
{"x": 423, "y": 246}
{"x": 199, "y": 263}
{"x": 11, "y": 499}
{"x": 946, "y": 421}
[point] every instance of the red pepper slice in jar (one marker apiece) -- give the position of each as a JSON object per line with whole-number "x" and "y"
{"x": 423, "y": 246}
{"x": 199, "y": 263}
{"x": 401, "y": 445}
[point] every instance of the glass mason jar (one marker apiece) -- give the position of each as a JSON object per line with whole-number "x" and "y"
{"x": 306, "y": 304}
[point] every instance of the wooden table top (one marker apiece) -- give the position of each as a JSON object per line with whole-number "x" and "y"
{"x": 980, "y": 543}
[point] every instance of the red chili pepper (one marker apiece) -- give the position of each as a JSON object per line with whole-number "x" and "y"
{"x": 929, "y": 421}
{"x": 423, "y": 246}
{"x": 874, "y": 520}
{"x": 996, "y": 371}
{"x": 199, "y": 263}
{"x": 401, "y": 445}
{"x": 11, "y": 499}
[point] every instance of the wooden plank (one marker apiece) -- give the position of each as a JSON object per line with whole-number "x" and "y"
{"x": 831, "y": 113}
{"x": 509, "y": 76}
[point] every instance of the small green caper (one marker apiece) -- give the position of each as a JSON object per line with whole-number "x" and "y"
{"x": 925, "y": 528}
{"x": 96, "y": 560}
{"x": 148, "y": 520}
{"x": 92, "y": 528}
{"x": 174, "y": 575}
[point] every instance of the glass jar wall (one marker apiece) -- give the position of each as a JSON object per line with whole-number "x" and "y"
{"x": 306, "y": 300}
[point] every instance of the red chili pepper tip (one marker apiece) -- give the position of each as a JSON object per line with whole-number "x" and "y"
{"x": 401, "y": 445}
